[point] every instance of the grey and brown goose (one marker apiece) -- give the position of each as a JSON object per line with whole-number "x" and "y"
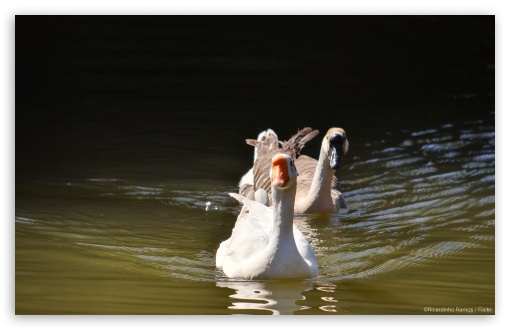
{"x": 318, "y": 189}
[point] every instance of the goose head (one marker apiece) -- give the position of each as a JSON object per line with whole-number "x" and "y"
{"x": 335, "y": 145}
{"x": 283, "y": 172}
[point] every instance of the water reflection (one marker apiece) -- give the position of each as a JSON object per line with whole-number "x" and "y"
{"x": 274, "y": 296}
{"x": 327, "y": 295}
{"x": 286, "y": 297}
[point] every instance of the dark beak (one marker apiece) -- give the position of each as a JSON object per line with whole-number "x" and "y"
{"x": 336, "y": 144}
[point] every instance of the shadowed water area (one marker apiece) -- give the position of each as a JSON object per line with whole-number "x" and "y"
{"x": 130, "y": 133}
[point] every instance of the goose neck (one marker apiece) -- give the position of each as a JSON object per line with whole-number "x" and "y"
{"x": 283, "y": 211}
{"x": 321, "y": 183}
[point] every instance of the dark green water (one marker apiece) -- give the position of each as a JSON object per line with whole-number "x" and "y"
{"x": 130, "y": 134}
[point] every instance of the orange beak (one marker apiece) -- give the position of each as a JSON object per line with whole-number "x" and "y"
{"x": 280, "y": 172}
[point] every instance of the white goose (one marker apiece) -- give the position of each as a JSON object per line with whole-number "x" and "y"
{"x": 318, "y": 189}
{"x": 265, "y": 243}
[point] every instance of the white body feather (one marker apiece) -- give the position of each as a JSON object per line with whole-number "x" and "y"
{"x": 265, "y": 243}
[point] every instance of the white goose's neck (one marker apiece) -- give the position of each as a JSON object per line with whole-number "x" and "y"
{"x": 283, "y": 215}
{"x": 320, "y": 189}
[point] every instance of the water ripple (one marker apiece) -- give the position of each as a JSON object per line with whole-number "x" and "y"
{"x": 409, "y": 216}
{"x": 425, "y": 197}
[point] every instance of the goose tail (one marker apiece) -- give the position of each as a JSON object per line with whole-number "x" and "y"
{"x": 298, "y": 141}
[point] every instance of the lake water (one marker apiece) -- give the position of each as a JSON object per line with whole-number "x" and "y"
{"x": 128, "y": 141}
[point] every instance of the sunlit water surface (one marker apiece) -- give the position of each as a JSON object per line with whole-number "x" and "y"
{"x": 419, "y": 231}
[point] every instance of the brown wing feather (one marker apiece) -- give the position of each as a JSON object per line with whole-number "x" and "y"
{"x": 267, "y": 149}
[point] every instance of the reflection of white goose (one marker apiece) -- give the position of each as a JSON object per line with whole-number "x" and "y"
{"x": 318, "y": 190}
{"x": 277, "y": 296}
{"x": 265, "y": 243}
{"x": 250, "y": 296}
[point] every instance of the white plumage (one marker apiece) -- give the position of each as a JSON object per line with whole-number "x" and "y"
{"x": 265, "y": 243}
